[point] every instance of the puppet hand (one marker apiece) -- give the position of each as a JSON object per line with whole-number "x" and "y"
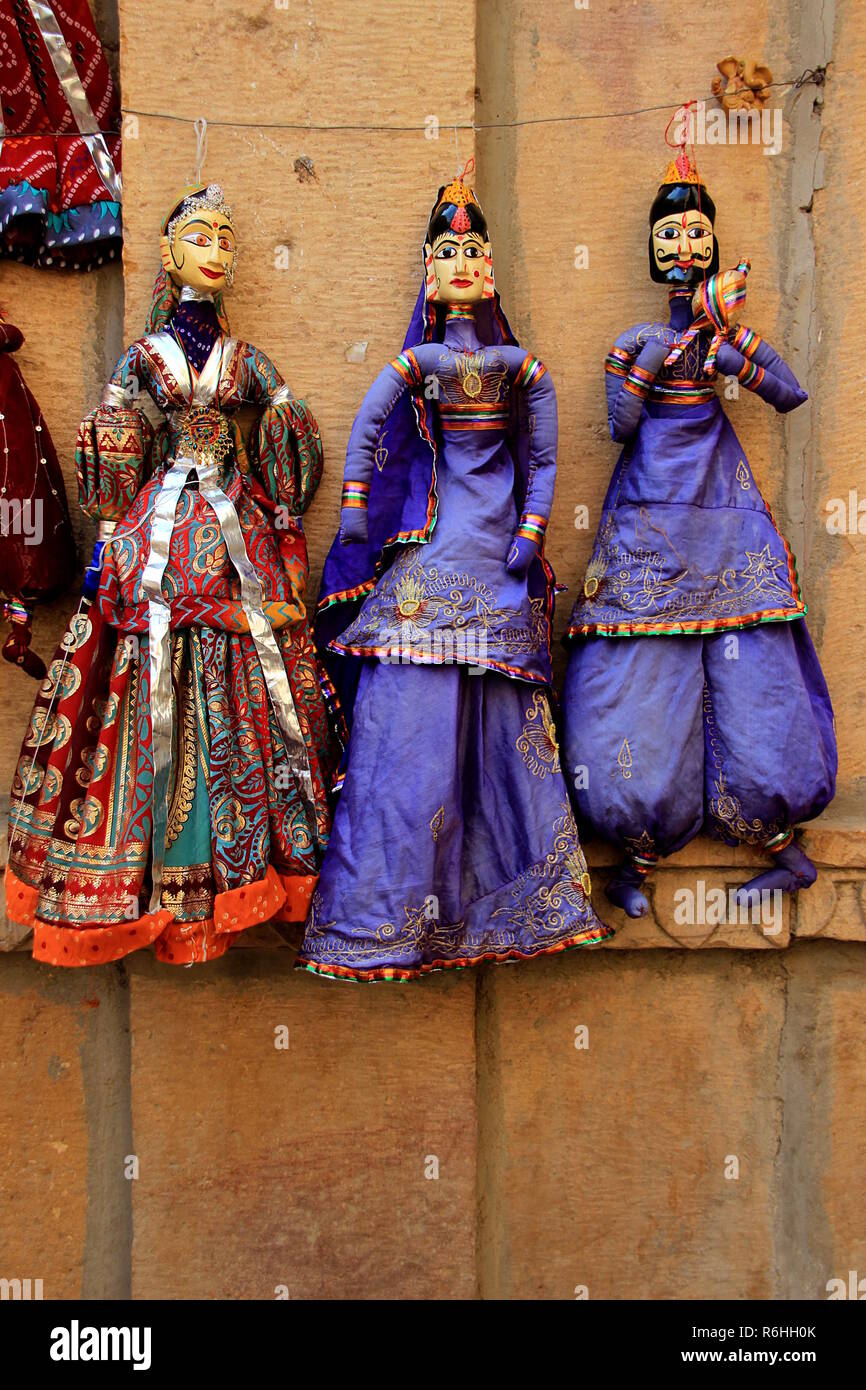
{"x": 16, "y": 648}
{"x": 353, "y": 526}
{"x": 93, "y": 573}
{"x": 729, "y": 360}
{"x": 652, "y": 354}
{"x": 521, "y": 555}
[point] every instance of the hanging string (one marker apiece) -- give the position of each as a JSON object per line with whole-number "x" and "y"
{"x": 816, "y": 76}
{"x": 682, "y": 160}
{"x": 200, "y": 128}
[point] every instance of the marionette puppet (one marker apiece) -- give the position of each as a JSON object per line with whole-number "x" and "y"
{"x": 694, "y": 698}
{"x": 37, "y": 551}
{"x": 172, "y": 782}
{"x": 453, "y": 839}
{"x": 60, "y": 186}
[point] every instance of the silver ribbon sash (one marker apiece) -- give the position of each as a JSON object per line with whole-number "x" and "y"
{"x": 159, "y": 616}
{"x": 76, "y": 97}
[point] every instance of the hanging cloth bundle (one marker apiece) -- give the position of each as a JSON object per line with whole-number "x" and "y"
{"x": 713, "y": 303}
{"x": 60, "y": 185}
{"x": 37, "y": 551}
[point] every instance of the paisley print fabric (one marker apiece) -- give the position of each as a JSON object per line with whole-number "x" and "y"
{"x": 242, "y": 843}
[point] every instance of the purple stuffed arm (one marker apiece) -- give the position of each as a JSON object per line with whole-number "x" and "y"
{"x": 528, "y": 539}
{"x": 760, "y": 369}
{"x": 379, "y": 401}
{"x": 628, "y": 381}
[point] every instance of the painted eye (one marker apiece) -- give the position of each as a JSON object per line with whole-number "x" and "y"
{"x": 472, "y": 252}
{"x": 698, "y": 233}
{"x": 446, "y": 253}
{"x": 197, "y": 239}
{"x": 226, "y": 244}
{"x": 667, "y": 234}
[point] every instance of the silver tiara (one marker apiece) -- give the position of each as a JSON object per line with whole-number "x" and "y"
{"x": 213, "y": 199}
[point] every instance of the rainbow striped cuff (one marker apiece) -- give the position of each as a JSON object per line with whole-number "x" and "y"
{"x": 532, "y": 527}
{"x": 531, "y": 370}
{"x": 639, "y": 382}
{"x": 751, "y": 375}
{"x": 356, "y": 495}
{"x": 617, "y": 362}
{"x": 406, "y": 366}
{"x": 779, "y": 841}
{"x": 746, "y": 341}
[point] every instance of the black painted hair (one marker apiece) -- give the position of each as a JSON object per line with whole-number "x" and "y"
{"x": 681, "y": 197}
{"x": 442, "y": 217}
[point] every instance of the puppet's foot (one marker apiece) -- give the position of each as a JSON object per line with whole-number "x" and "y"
{"x": 792, "y": 871}
{"x": 624, "y": 890}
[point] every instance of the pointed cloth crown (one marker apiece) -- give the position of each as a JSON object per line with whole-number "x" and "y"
{"x": 682, "y": 170}
{"x": 459, "y": 194}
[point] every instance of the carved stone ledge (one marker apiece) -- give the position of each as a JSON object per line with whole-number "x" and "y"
{"x": 833, "y": 908}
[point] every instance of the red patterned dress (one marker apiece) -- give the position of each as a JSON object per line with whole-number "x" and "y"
{"x": 172, "y": 784}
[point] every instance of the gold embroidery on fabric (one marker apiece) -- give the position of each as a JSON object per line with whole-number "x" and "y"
{"x": 472, "y": 377}
{"x": 624, "y": 762}
{"x": 64, "y": 679}
{"x": 381, "y": 455}
{"x": 187, "y": 749}
{"x": 727, "y": 810}
{"x": 545, "y": 900}
{"x": 469, "y": 368}
{"x": 209, "y": 550}
{"x": 725, "y": 807}
{"x": 648, "y": 578}
{"x": 437, "y": 823}
{"x": 539, "y": 905}
{"x": 644, "y": 844}
{"x": 743, "y": 476}
{"x": 537, "y": 743}
{"x": 62, "y": 731}
{"x": 28, "y": 778}
{"x": 41, "y": 727}
{"x": 86, "y": 816}
{"x": 78, "y": 633}
{"x": 188, "y": 891}
{"x": 52, "y": 784}
{"x": 595, "y": 572}
{"x": 412, "y": 601}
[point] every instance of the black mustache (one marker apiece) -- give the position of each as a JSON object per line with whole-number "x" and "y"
{"x": 664, "y": 257}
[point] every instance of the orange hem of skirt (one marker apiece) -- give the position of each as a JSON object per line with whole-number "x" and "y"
{"x": 282, "y": 897}
{"x": 590, "y": 937}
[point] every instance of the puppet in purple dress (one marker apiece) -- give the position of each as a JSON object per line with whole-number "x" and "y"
{"x": 694, "y": 698}
{"x": 453, "y": 841}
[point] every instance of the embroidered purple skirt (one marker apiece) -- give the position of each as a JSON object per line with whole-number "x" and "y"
{"x": 730, "y": 733}
{"x": 453, "y": 841}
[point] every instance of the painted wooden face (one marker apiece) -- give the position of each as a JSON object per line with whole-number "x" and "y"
{"x": 202, "y": 253}
{"x": 459, "y": 267}
{"x": 682, "y": 245}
